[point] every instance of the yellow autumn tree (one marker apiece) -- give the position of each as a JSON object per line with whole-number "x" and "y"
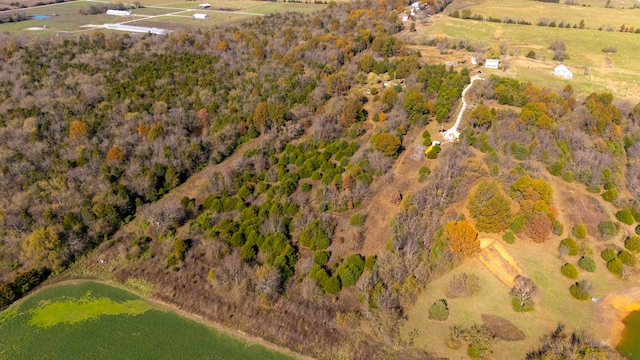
{"x": 44, "y": 247}
{"x": 463, "y": 238}
{"x": 490, "y": 208}
{"x": 78, "y": 131}
{"x": 115, "y": 155}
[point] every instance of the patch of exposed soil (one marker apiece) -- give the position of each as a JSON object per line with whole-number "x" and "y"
{"x": 503, "y": 328}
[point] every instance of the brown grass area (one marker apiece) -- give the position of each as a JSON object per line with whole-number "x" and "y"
{"x": 503, "y": 328}
{"x": 500, "y": 263}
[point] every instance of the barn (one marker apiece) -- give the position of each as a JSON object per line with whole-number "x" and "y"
{"x": 138, "y": 29}
{"x": 200, "y": 16}
{"x": 119, "y": 12}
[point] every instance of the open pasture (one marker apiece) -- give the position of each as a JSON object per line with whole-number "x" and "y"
{"x": 164, "y": 14}
{"x": 593, "y": 70}
{"x": 96, "y": 321}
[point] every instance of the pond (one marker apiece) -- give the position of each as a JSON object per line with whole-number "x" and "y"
{"x": 40, "y": 17}
{"x": 629, "y": 346}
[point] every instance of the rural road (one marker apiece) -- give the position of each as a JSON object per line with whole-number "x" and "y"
{"x": 453, "y": 133}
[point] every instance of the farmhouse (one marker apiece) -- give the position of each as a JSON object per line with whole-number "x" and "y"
{"x": 119, "y": 12}
{"x": 492, "y": 63}
{"x": 200, "y": 16}
{"x": 562, "y": 70}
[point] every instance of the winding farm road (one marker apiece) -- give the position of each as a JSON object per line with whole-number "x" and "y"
{"x": 453, "y": 133}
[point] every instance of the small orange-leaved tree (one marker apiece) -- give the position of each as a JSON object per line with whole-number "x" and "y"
{"x": 463, "y": 238}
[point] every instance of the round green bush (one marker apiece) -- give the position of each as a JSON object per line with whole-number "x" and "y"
{"x": 610, "y": 195}
{"x": 579, "y": 231}
{"x": 557, "y": 228}
{"x": 628, "y": 258}
{"x": 632, "y": 243}
{"x": 607, "y": 228}
{"x": 570, "y": 245}
{"x": 356, "y": 220}
{"x": 321, "y": 257}
{"x": 332, "y": 285}
{"x": 509, "y": 237}
{"x": 625, "y": 216}
{"x": 608, "y": 254}
{"x": 615, "y": 267}
{"x": 439, "y": 310}
{"x": 580, "y": 290}
{"x": 569, "y": 270}
{"x": 587, "y": 263}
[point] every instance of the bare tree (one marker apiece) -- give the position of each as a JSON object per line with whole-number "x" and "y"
{"x": 524, "y": 291}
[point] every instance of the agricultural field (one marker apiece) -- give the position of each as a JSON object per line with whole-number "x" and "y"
{"x": 593, "y": 69}
{"x": 164, "y": 14}
{"x": 96, "y": 321}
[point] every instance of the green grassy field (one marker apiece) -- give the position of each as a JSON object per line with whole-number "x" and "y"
{"x": 96, "y": 321}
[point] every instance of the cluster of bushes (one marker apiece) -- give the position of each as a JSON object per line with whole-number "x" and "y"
{"x": 581, "y": 290}
{"x": 463, "y": 285}
{"x": 628, "y": 216}
{"x": 617, "y": 260}
{"x": 478, "y": 338}
{"x": 347, "y": 274}
{"x": 568, "y": 246}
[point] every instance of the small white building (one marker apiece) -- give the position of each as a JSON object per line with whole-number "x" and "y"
{"x": 119, "y": 12}
{"x": 200, "y": 16}
{"x": 204, "y": 6}
{"x": 562, "y": 70}
{"x": 492, "y": 63}
{"x": 474, "y": 61}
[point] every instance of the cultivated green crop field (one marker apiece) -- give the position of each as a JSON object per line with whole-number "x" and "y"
{"x": 164, "y": 14}
{"x": 96, "y": 321}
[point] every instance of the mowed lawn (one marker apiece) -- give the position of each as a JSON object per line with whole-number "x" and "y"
{"x": 541, "y": 263}
{"x": 96, "y": 321}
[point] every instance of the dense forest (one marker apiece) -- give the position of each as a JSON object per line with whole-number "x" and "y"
{"x": 97, "y": 130}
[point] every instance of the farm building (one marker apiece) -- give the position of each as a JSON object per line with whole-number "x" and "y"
{"x": 492, "y": 63}
{"x": 140, "y": 29}
{"x": 562, "y": 70}
{"x": 200, "y": 16}
{"x": 204, "y": 6}
{"x": 119, "y": 12}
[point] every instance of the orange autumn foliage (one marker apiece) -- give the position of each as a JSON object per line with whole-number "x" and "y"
{"x": 463, "y": 238}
